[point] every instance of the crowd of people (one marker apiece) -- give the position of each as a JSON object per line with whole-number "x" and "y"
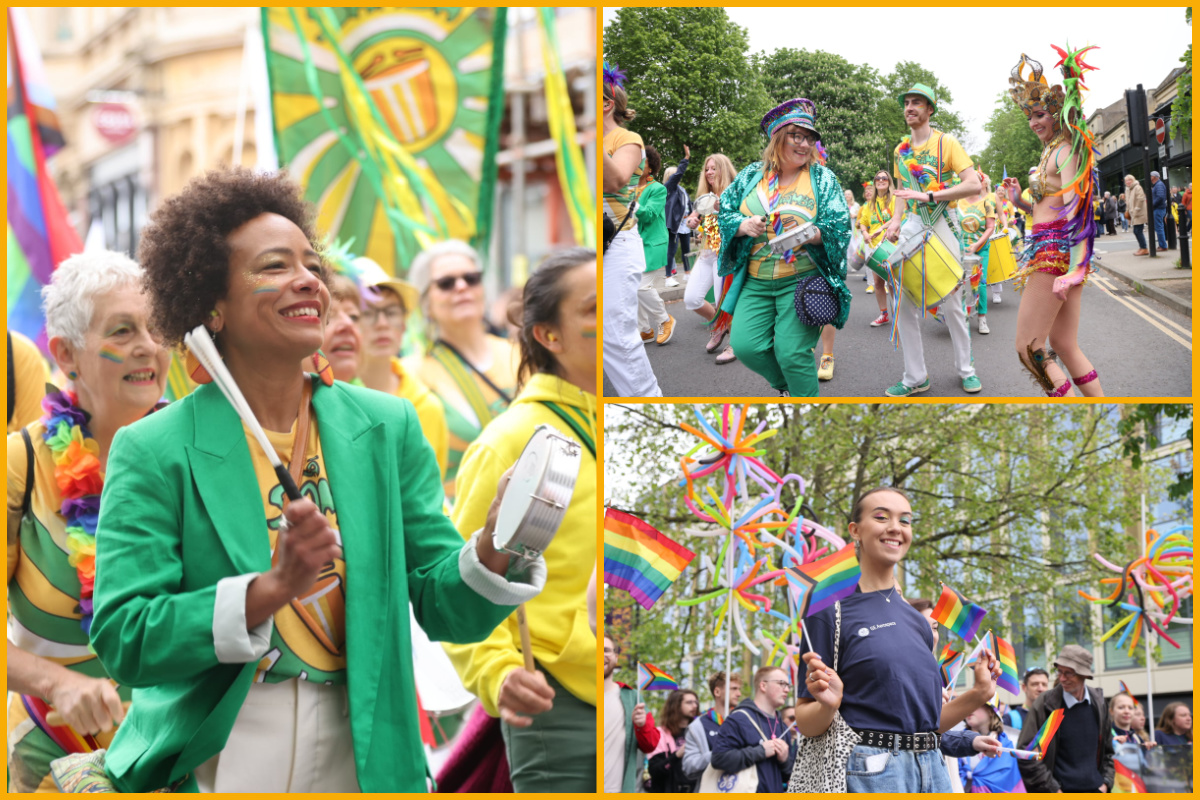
{"x": 848, "y": 728}
{"x": 177, "y": 622}
{"x": 945, "y": 231}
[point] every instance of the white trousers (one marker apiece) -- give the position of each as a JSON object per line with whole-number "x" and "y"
{"x": 909, "y": 315}
{"x": 652, "y": 312}
{"x": 703, "y": 278}
{"x": 625, "y": 360}
{"x": 288, "y": 737}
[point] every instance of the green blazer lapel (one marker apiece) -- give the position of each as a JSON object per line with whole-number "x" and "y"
{"x": 359, "y": 459}
{"x": 224, "y": 473}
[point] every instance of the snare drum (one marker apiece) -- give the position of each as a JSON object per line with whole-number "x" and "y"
{"x": 1002, "y": 261}
{"x": 928, "y": 269}
{"x": 879, "y": 257}
{"x": 538, "y": 494}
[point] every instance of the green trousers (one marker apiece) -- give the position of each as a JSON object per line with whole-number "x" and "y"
{"x": 769, "y": 338}
{"x": 983, "y": 289}
{"x": 557, "y": 753}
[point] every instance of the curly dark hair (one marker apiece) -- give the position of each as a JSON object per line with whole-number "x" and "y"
{"x": 184, "y": 251}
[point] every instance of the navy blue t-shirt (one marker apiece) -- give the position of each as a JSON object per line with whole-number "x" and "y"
{"x": 891, "y": 678}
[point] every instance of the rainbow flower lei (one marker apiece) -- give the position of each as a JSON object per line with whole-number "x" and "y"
{"x": 77, "y": 473}
{"x": 924, "y": 178}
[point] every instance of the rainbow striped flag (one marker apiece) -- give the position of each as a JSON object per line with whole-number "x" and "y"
{"x": 639, "y": 559}
{"x": 955, "y": 612}
{"x": 40, "y": 236}
{"x": 651, "y": 678}
{"x": 949, "y": 662}
{"x": 1049, "y": 728}
{"x": 1123, "y": 687}
{"x": 1008, "y": 667}
{"x": 1126, "y": 781}
{"x": 821, "y": 583}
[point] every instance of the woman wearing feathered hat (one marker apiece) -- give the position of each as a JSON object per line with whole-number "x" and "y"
{"x": 1058, "y": 253}
{"x": 789, "y": 188}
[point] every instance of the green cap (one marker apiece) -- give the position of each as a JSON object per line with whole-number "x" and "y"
{"x": 923, "y": 90}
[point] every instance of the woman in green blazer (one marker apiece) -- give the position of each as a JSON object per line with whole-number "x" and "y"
{"x": 266, "y": 642}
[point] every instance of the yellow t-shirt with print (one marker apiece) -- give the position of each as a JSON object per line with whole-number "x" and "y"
{"x": 617, "y": 204}
{"x": 309, "y": 636}
{"x": 953, "y": 160}
{"x": 875, "y": 215}
{"x": 797, "y": 206}
{"x": 30, "y": 374}
{"x": 973, "y": 217}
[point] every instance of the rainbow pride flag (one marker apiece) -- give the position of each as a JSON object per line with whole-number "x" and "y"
{"x": 1124, "y": 687}
{"x": 1008, "y": 667}
{"x": 39, "y": 234}
{"x": 1126, "y": 781}
{"x": 1049, "y": 728}
{"x": 955, "y": 612}
{"x": 949, "y": 662}
{"x": 639, "y": 559}
{"x": 651, "y": 678}
{"x": 821, "y": 583}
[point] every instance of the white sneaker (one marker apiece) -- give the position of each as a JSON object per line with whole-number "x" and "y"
{"x": 671, "y": 282}
{"x": 996, "y": 298}
{"x": 983, "y": 326}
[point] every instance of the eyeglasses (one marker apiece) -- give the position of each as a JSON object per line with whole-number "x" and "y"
{"x": 450, "y": 281}
{"x": 394, "y": 315}
{"x": 1065, "y": 672}
{"x": 799, "y": 136}
{"x": 785, "y": 684}
{"x": 879, "y": 178}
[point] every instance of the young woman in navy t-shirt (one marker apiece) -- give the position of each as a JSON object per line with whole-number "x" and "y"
{"x": 887, "y": 686}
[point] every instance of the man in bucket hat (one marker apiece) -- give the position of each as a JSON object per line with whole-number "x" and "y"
{"x": 925, "y": 164}
{"x": 1080, "y": 756}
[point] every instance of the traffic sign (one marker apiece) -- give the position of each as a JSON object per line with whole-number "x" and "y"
{"x": 1160, "y": 130}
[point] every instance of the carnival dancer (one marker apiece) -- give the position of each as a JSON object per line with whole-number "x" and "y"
{"x": 471, "y": 371}
{"x": 548, "y": 717}
{"x": 874, "y": 218}
{"x": 902, "y": 714}
{"x": 653, "y": 320}
{"x": 625, "y": 361}
{"x": 718, "y": 173}
{"x": 96, "y": 318}
{"x": 268, "y": 655}
{"x": 977, "y": 220}
{"x": 926, "y": 162}
{"x": 1058, "y": 253}
{"x": 789, "y": 188}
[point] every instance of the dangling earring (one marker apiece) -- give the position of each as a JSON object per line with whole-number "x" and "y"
{"x": 195, "y": 369}
{"x": 323, "y": 368}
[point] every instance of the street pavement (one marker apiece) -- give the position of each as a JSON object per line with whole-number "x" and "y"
{"x": 1140, "y": 344}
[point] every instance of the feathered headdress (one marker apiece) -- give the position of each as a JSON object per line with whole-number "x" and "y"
{"x": 613, "y": 76}
{"x": 1033, "y": 90}
{"x": 1083, "y": 145}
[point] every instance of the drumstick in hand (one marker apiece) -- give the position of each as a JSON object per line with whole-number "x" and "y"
{"x": 526, "y": 646}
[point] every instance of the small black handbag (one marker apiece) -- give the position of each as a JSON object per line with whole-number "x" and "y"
{"x": 816, "y": 303}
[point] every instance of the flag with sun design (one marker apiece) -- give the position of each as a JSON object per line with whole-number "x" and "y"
{"x": 389, "y": 118}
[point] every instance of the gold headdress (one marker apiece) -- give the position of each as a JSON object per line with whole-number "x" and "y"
{"x": 1034, "y": 90}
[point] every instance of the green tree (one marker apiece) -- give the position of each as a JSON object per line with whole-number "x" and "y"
{"x": 1011, "y": 143}
{"x": 1181, "y": 109}
{"x": 901, "y": 79}
{"x": 1007, "y": 500}
{"x": 1140, "y": 428}
{"x": 690, "y": 82}
{"x": 847, "y": 99}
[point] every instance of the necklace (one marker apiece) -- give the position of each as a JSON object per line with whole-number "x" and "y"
{"x": 892, "y": 592}
{"x": 1037, "y": 188}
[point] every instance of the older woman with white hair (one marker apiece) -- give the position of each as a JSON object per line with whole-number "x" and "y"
{"x": 471, "y": 371}
{"x": 61, "y": 700}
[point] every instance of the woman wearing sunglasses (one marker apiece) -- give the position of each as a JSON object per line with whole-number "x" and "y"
{"x": 875, "y": 215}
{"x": 887, "y": 686}
{"x": 470, "y": 370}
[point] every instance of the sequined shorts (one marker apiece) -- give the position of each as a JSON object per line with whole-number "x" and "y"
{"x": 1047, "y": 249}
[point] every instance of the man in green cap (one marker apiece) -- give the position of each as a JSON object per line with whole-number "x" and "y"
{"x": 926, "y": 162}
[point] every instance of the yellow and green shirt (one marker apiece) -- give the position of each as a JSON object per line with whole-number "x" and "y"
{"x": 30, "y": 374}
{"x": 953, "y": 160}
{"x": 429, "y": 411}
{"x": 973, "y": 217}
{"x": 875, "y": 216}
{"x": 797, "y": 206}
{"x": 617, "y": 204}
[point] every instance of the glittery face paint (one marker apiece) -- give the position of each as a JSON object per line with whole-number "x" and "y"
{"x": 111, "y": 355}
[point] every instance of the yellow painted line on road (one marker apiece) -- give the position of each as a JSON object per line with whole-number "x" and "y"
{"x": 1143, "y": 314}
{"x": 1140, "y": 303}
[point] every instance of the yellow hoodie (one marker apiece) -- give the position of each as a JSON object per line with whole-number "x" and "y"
{"x": 563, "y": 642}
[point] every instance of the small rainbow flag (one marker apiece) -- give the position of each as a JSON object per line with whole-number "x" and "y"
{"x": 651, "y": 678}
{"x": 821, "y": 583}
{"x": 639, "y": 559}
{"x": 958, "y": 614}
{"x": 1123, "y": 688}
{"x": 1008, "y": 667}
{"x": 1127, "y": 781}
{"x": 1049, "y": 728}
{"x": 949, "y": 662}
{"x": 716, "y": 716}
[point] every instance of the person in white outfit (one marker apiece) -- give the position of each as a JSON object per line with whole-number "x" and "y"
{"x": 716, "y": 176}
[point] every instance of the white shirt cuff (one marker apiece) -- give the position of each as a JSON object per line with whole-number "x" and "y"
{"x": 495, "y": 588}
{"x": 233, "y": 641}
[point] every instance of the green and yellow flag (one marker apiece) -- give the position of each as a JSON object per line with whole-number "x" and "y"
{"x": 389, "y": 118}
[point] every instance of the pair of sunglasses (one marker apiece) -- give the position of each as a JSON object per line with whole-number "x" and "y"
{"x": 450, "y": 281}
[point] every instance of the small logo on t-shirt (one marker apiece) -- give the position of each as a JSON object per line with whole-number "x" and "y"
{"x": 863, "y": 631}
{"x": 713, "y": 733}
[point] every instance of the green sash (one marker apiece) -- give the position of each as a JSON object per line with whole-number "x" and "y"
{"x": 575, "y": 420}
{"x": 929, "y": 215}
{"x": 460, "y": 372}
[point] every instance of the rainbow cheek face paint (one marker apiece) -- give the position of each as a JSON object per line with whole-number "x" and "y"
{"x": 589, "y": 331}
{"x": 112, "y": 355}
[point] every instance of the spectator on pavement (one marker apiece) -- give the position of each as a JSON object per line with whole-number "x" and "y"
{"x": 704, "y": 728}
{"x": 1136, "y": 200}
{"x": 1175, "y": 725}
{"x": 753, "y": 733}
{"x": 1036, "y": 681}
{"x": 1110, "y": 214}
{"x": 628, "y": 728}
{"x": 666, "y": 762}
{"x": 1121, "y": 213}
{"x": 1158, "y": 191}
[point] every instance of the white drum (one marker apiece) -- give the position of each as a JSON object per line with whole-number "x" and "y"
{"x": 706, "y": 204}
{"x": 793, "y": 239}
{"x": 538, "y": 494}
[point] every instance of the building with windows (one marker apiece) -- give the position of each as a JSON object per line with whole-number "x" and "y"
{"x": 1118, "y": 158}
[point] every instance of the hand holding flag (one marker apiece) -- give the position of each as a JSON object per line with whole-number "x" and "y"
{"x": 958, "y": 614}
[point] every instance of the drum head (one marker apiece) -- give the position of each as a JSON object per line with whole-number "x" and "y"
{"x": 538, "y": 494}
{"x": 706, "y": 204}
{"x": 523, "y": 484}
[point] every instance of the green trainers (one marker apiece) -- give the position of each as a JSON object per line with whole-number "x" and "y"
{"x": 900, "y": 390}
{"x": 972, "y": 385}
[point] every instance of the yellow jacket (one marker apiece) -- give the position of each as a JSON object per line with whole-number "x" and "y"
{"x": 563, "y": 642}
{"x": 429, "y": 411}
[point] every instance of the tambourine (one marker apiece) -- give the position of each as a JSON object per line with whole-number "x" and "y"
{"x": 706, "y": 204}
{"x": 538, "y": 494}
{"x": 793, "y": 239}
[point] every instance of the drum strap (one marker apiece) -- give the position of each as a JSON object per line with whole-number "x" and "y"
{"x": 928, "y": 215}
{"x": 574, "y": 424}
{"x": 460, "y": 371}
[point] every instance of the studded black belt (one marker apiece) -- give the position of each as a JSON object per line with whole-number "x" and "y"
{"x": 917, "y": 742}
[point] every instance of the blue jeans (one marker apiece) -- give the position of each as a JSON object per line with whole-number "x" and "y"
{"x": 1160, "y": 214}
{"x": 878, "y": 769}
{"x": 1141, "y": 237}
